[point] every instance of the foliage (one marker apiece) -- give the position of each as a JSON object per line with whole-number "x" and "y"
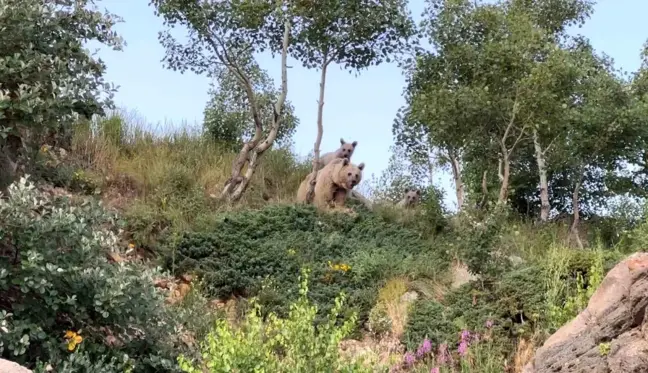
{"x": 256, "y": 253}
{"x": 570, "y": 287}
{"x": 47, "y": 75}
{"x": 292, "y": 344}
{"x": 56, "y": 282}
{"x": 228, "y": 119}
{"x": 476, "y": 240}
{"x": 353, "y": 33}
{"x": 428, "y": 319}
{"x": 80, "y": 362}
{"x": 506, "y": 97}
{"x": 514, "y": 306}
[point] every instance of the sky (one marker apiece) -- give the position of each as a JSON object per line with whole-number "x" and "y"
{"x": 357, "y": 108}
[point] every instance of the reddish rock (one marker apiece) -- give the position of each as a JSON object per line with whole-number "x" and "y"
{"x": 610, "y": 335}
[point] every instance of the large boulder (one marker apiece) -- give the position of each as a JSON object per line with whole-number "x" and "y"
{"x": 611, "y": 334}
{"x": 7, "y": 366}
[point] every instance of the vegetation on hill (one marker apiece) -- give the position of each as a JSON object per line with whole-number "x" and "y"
{"x": 118, "y": 254}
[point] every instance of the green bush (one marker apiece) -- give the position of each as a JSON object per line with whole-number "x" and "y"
{"x": 428, "y": 319}
{"x": 516, "y": 305}
{"x": 55, "y": 278}
{"x": 476, "y": 239}
{"x": 51, "y": 165}
{"x": 249, "y": 249}
{"x": 292, "y": 344}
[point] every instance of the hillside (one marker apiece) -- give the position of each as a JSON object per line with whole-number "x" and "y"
{"x": 530, "y": 280}
{"x": 124, "y": 248}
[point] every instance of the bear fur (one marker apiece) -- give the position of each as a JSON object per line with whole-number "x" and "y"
{"x": 412, "y": 197}
{"x": 333, "y": 183}
{"x": 345, "y": 150}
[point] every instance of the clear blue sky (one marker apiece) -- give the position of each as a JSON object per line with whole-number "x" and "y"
{"x": 356, "y": 108}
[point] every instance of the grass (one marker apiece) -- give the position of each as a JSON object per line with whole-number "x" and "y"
{"x": 173, "y": 174}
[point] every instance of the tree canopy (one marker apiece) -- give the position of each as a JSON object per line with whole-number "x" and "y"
{"x": 516, "y": 105}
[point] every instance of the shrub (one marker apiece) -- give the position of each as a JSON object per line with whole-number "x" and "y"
{"x": 428, "y": 319}
{"x": 292, "y": 344}
{"x": 246, "y": 249}
{"x": 56, "y": 283}
{"x": 476, "y": 240}
{"x": 572, "y": 278}
{"x": 516, "y": 305}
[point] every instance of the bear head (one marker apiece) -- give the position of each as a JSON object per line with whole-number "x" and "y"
{"x": 347, "y": 175}
{"x": 412, "y": 196}
{"x": 346, "y": 149}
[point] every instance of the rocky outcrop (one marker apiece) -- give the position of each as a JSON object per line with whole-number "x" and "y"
{"x": 7, "y": 366}
{"x": 611, "y": 334}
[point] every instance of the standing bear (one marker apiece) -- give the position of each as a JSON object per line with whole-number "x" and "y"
{"x": 345, "y": 150}
{"x": 333, "y": 183}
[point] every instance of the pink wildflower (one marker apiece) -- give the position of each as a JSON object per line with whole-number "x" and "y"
{"x": 489, "y": 324}
{"x": 463, "y": 348}
{"x": 435, "y": 370}
{"x": 424, "y": 348}
{"x": 409, "y": 358}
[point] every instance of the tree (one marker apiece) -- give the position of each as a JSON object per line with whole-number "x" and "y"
{"x": 467, "y": 88}
{"x": 227, "y": 114}
{"x": 47, "y": 77}
{"x": 353, "y": 33}
{"x": 499, "y": 84}
{"x": 600, "y": 134}
{"x": 228, "y": 34}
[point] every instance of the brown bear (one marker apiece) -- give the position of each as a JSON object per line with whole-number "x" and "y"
{"x": 332, "y": 184}
{"x": 345, "y": 150}
{"x": 412, "y": 197}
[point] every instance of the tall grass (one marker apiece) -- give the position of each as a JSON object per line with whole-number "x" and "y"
{"x": 173, "y": 173}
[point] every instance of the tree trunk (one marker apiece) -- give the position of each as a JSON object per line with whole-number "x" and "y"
{"x": 504, "y": 175}
{"x": 484, "y": 186}
{"x": 430, "y": 166}
{"x": 320, "y": 132}
{"x": 542, "y": 172}
{"x": 253, "y": 150}
{"x": 576, "y": 212}
{"x": 458, "y": 180}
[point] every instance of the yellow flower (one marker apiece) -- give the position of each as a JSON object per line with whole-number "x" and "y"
{"x": 291, "y": 252}
{"x": 339, "y": 267}
{"x": 73, "y": 340}
{"x": 131, "y": 246}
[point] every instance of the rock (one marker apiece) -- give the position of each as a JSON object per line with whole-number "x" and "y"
{"x": 409, "y": 297}
{"x": 186, "y": 278}
{"x": 7, "y": 366}
{"x": 461, "y": 275}
{"x": 610, "y": 335}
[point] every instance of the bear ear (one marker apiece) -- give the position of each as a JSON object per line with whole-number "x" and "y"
{"x": 407, "y": 190}
{"x": 342, "y": 141}
{"x": 418, "y": 192}
{"x": 354, "y": 144}
{"x": 345, "y": 161}
{"x": 361, "y": 166}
